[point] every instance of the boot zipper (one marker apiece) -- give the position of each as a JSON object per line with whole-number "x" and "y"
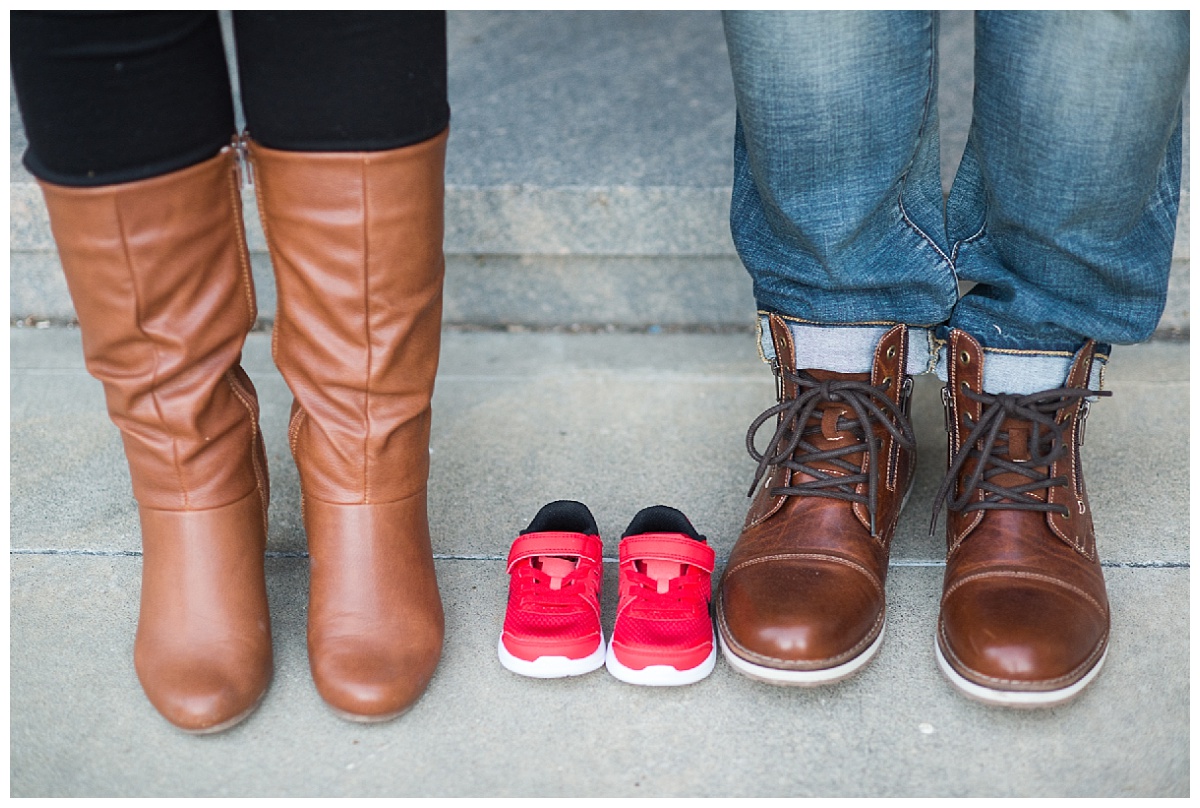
{"x": 245, "y": 170}
{"x": 1085, "y": 407}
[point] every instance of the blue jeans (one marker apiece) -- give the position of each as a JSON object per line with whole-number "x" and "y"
{"x": 1062, "y": 212}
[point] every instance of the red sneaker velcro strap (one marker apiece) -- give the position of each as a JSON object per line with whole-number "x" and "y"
{"x": 553, "y": 543}
{"x": 668, "y": 547}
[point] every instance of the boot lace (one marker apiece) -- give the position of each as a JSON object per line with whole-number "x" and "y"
{"x": 991, "y": 447}
{"x": 801, "y": 416}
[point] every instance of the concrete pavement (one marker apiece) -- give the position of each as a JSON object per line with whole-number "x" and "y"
{"x": 618, "y": 421}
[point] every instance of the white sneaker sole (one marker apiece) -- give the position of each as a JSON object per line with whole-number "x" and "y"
{"x": 825, "y": 676}
{"x": 1021, "y": 699}
{"x": 660, "y": 675}
{"x": 552, "y": 667}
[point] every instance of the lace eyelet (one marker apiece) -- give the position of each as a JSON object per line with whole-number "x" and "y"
{"x": 891, "y": 352}
{"x": 964, "y": 357}
{"x": 887, "y": 380}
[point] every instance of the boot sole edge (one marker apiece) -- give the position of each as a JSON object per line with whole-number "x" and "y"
{"x": 792, "y": 678}
{"x": 1017, "y": 699}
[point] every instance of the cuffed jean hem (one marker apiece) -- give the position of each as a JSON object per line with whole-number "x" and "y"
{"x": 846, "y": 348}
{"x": 1025, "y": 372}
{"x": 850, "y": 348}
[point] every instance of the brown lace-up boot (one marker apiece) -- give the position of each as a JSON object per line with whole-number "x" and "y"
{"x": 802, "y": 598}
{"x": 1024, "y": 617}
{"x": 160, "y": 279}
{"x": 356, "y": 241}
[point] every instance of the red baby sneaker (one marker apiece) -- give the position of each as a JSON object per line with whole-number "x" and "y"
{"x": 664, "y": 633}
{"x": 552, "y": 626}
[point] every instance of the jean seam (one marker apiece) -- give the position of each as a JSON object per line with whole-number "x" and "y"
{"x": 935, "y": 347}
{"x": 978, "y": 234}
{"x": 938, "y": 343}
{"x": 920, "y": 232}
{"x": 929, "y": 88}
{"x": 813, "y": 322}
{"x": 863, "y": 324}
{"x": 1027, "y": 352}
{"x": 758, "y": 342}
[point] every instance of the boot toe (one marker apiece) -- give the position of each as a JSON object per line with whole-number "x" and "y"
{"x": 804, "y": 614}
{"x": 1011, "y": 633}
{"x": 366, "y": 684}
{"x": 199, "y": 698}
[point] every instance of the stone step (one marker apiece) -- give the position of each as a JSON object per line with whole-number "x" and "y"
{"x": 605, "y": 135}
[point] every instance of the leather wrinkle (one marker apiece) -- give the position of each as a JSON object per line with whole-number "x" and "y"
{"x": 138, "y": 323}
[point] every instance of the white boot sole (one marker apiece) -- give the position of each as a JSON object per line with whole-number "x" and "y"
{"x": 1020, "y": 699}
{"x": 824, "y": 676}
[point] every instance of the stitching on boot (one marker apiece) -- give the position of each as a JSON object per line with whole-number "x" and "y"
{"x": 235, "y": 385}
{"x": 260, "y": 201}
{"x": 806, "y": 556}
{"x": 1031, "y": 576}
{"x": 241, "y": 249}
{"x": 953, "y": 374}
{"x": 366, "y": 282}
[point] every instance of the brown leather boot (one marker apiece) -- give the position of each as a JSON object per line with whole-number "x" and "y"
{"x": 161, "y": 282}
{"x": 1024, "y": 616}
{"x": 356, "y": 240}
{"x": 802, "y": 598}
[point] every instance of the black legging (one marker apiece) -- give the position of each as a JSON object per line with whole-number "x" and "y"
{"x": 111, "y": 97}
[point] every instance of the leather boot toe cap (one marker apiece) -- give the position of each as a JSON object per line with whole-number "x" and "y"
{"x": 1011, "y": 631}
{"x": 805, "y": 613}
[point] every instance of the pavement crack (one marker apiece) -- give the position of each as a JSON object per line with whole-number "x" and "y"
{"x": 722, "y": 560}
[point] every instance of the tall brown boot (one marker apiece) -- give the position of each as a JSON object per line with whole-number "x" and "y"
{"x": 356, "y": 240}
{"x": 161, "y": 282}
{"x": 801, "y": 601}
{"x": 1024, "y": 616}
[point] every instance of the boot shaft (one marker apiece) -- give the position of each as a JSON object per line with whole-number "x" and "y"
{"x": 160, "y": 278}
{"x": 356, "y": 242}
{"x": 823, "y": 422}
{"x": 1029, "y": 448}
